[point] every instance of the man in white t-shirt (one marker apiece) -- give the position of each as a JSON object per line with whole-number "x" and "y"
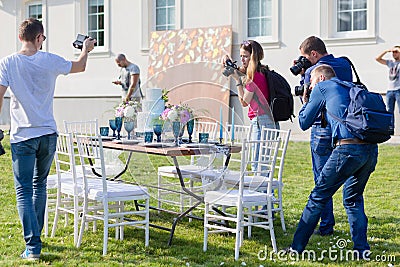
{"x": 31, "y": 76}
{"x": 129, "y": 79}
{"x": 393, "y": 92}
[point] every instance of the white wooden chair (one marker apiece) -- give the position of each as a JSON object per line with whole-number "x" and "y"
{"x": 260, "y": 183}
{"x": 112, "y": 195}
{"x": 68, "y": 184}
{"x": 91, "y": 128}
{"x": 193, "y": 171}
{"x": 241, "y": 203}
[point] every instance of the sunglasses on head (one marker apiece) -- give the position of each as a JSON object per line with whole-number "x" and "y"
{"x": 246, "y": 43}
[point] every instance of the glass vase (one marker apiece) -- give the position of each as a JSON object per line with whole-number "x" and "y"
{"x": 118, "y": 123}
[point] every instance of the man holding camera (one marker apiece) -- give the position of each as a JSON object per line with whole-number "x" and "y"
{"x": 314, "y": 53}
{"x": 31, "y": 76}
{"x": 350, "y": 164}
{"x": 129, "y": 79}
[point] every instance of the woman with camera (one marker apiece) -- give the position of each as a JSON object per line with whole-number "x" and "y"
{"x": 253, "y": 88}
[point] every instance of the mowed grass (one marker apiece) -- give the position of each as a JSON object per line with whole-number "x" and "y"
{"x": 381, "y": 205}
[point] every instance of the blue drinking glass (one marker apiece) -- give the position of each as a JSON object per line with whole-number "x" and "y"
{"x": 129, "y": 125}
{"x": 176, "y": 129}
{"x": 113, "y": 126}
{"x": 158, "y": 128}
{"x": 118, "y": 123}
{"x": 190, "y": 126}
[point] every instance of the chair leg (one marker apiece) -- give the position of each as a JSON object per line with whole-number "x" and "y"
{"x": 271, "y": 227}
{"x": 159, "y": 202}
{"x": 205, "y": 239}
{"x": 46, "y": 219}
{"x": 147, "y": 226}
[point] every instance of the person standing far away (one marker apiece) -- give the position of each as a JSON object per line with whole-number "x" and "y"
{"x": 314, "y": 50}
{"x": 31, "y": 76}
{"x": 129, "y": 79}
{"x": 393, "y": 92}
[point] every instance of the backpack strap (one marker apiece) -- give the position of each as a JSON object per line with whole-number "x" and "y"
{"x": 358, "y": 81}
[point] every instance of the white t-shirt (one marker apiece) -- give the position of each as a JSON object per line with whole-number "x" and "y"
{"x": 125, "y": 78}
{"x": 394, "y": 74}
{"x": 32, "y": 82}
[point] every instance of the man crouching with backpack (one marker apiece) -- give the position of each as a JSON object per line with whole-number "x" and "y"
{"x": 351, "y": 163}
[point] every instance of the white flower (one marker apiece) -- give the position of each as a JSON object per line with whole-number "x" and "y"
{"x": 173, "y": 115}
{"x": 129, "y": 112}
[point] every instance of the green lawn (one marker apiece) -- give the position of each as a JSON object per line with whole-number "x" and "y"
{"x": 381, "y": 204}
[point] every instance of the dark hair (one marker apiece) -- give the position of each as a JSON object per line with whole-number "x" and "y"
{"x": 256, "y": 55}
{"x": 30, "y": 29}
{"x": 313, "y": 43}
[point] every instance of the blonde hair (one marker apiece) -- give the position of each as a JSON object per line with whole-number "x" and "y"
{"x": 325, "y": 70}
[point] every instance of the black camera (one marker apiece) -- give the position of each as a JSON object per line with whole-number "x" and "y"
{"x": 301, "y": 63}
{"x": 299, "y": 90}
{"x": 2, "y": 151}
{"x": 78, "y": 43}
{"x": 230, "y": 68}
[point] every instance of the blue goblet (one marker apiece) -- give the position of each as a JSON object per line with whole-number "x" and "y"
{"x": 113, "y": 126}
{"x": 118, "y": 123}
{"x": 129, "y": 125}
{"x": 190, "y": 126}
{"x": 176, "y": 129}
{"x": 158, "y": 131}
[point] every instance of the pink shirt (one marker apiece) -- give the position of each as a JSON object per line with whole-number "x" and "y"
{"x": 261, "y": 92}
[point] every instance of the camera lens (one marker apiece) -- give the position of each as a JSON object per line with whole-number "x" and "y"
{"x": 228, "y": 71}
{"x": 296, "y": 69}
{"x": 299, "y": 90}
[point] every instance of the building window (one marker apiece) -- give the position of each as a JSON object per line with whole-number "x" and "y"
{"x": 165, "y": 15}
{"x": 351, "y": 15}
{"x": 348, "y": 22}
{"x": 259, "y": 18}
{"x": 96, "y": 21}
{"x": 35, "y": 11}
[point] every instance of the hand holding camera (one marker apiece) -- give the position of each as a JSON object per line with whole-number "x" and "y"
{"x": 230, "y": 67}
{"x": 81, "y": 39}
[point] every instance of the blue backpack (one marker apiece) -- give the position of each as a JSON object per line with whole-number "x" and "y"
{"x": 366, "y": 116}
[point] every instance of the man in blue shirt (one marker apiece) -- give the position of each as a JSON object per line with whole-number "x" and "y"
{"x": 314, "y": 50}
{"x": 351, "y": 162}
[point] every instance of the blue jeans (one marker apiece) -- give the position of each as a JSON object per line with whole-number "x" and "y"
{"x": 31, "y": 161}
{"x": 321, "y": 149}
{"x": 256, "y": 125}
{"x": 392, "y": 96}
{"x": 350, "y": 165}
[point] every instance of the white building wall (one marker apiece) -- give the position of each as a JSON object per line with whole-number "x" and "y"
{"x": 89, "y": 94}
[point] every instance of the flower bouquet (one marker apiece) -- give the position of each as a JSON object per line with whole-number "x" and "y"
{"x": 179, "y": 115}
{"x": 127, "y": 111}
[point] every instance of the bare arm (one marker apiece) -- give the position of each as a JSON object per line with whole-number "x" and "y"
{"x": 380, "y": 59}
{"x": 80, "y": 64}
{"x": 134, "y": 81}
{"x": 3, "y": 90}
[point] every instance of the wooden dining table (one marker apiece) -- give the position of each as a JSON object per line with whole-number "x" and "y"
{"x": 173, "y": 152}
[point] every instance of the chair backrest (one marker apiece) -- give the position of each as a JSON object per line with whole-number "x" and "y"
{"x": 240, "y": 133}
{"x": 90, "y": 127}
{"x": 267, "y": 151}
{"x": 205, "y": 127}
{"x": 90, "y": 150}
{"x": 284, "y": 136}
{"x": 64, "y": 159}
